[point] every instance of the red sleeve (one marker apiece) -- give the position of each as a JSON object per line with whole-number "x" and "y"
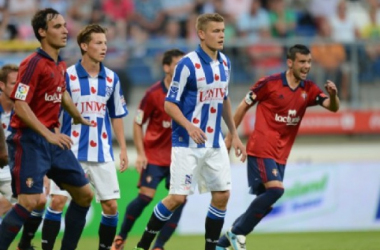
{"x": 260, "y": 89}
{"x": 316, "y": 95}
{"x": 146, "y": 108}
{"x": 27, "y": 80}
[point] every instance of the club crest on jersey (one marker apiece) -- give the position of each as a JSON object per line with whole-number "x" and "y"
{"x": 166, "y": 124}
{"x": 22, "y": 91}
{"x": 29, "y": 182}
{"x": 109, "y": 91}
{"x": 304, "y": 95}
{"x": 275, "y": 172}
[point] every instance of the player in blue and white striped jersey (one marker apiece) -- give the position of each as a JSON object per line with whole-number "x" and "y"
{"x": 97, "y": 94}
{"x": 197, "y": 101}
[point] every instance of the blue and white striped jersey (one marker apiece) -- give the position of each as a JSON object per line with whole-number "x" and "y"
{"x": 98, "y": 99}
{"x": 199, "y": 87}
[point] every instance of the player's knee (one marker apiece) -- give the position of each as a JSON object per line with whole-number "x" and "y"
{"x": 220, "y": 199}
{"x": 109, "y": 206}
{"x": 42, "y": 202}
{"x": 58, "y": 202}
{"x": 275, "y": 193}
{"x": 174, "y": 201}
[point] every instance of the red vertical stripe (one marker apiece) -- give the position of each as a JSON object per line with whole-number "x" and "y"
{"x": 263, "y": 172}
{"x": 17, "y": 159}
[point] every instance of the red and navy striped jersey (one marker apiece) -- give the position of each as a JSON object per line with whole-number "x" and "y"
{"x": 278, "y": 115}
{"x": 40, "y": 83}
{"x": 157, "y": 139}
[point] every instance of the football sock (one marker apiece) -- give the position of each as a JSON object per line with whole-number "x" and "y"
{"x": 50, "y": 228}
{"x": 158, "y": 219}
{"x": 214, "y": 224}
{"x": 169, "y": 228}
{"x": 107, "y": 230}
{"x": 133, "y": 211}
{"x": 30, "y": 228}
{"x": 256, "y": 211}
{"x": 224, "y": 242}
{"x": 12, "y": 224}
{"x": 75, "y": 220}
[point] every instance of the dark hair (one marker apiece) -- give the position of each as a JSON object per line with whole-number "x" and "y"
{"x": 84, "y": 35}
{"x": 5, "y": 70}
{"x": 169, "y": 54}
{"x": 298, "y": 48}
{"x": 40, "y": 20}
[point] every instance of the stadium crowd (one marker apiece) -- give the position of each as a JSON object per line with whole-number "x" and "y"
{"x": 257, "y": 33}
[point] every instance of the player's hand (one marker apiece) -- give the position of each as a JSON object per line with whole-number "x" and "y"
{"x": 331, "y": 88}
{"x": 228, "y": 141}
{"x": 240, "y": 150}
{"x": 123, "y": 160}
{"x": 81, "y": 120}
{"x": 197, "y": 134}
{"x": 61, "y": 140}
{"x": 141, "y": 162}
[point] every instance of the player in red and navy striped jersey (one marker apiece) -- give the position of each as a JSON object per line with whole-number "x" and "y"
{"x": 153, "y": 153}
{"x": 35, "y": 150}
{"x": 281, "y": 100}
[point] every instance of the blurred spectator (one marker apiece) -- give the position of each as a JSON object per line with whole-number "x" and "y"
{"x": 21, "y": 12}
{"x": 120, "y": 12}
{"x": 117, "y": 57}
{"x": 330, "y": 57}
{"x": 149, "y": 15}
{"x": 322, "y": 8}
{"x": 79, "y": 14}
{"x": 137, "y": 42}
{"x": 266, "y": 55}
{"x": 343, "y": 26}
{"x": 179, "y": 11}
{"x": 282, "y": 19}
{"x": 250, "y": 23}
{"x": 7, "y": 31}
{"x": 59, "y": 5}
{"x": 235, "y": 8}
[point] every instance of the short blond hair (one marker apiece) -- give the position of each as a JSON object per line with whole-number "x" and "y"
{"x": 6, "y": 70}
{"x": 204, "y": 19}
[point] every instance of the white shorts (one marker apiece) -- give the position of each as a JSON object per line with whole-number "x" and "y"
{"x": 207, "y": 167}
{"x": 103, "y": 178}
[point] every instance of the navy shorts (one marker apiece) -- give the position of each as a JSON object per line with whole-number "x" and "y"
{"x": 262, "y": 170}
{"x": 31, "y": 157}
{"x": 153, "y": 175}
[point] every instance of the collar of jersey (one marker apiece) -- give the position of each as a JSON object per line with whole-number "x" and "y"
{"x": 164, "y": 87}
{"x": 44, "y": 54}
{"x": 206, "y": 58}
{"x": 82, "y": 73}
{"x": 285, "y": 82}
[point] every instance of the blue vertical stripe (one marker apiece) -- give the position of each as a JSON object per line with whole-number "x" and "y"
{"x": 67, "y": 82}
{"x": 204, "y": 119}
{"x": 84, "y": 141}
{"x": 109, "y": 132}
{"x": 102, "y": 85}
{"x": 99, "y": 121}
{"x": 217, "y": 125}
{"x": 223, "y": 76}
{"x": 66, "y": 124}
{"x": 111, "y": 101}
{"x": 208, "y": 72}
{"x": 84, "y": 86}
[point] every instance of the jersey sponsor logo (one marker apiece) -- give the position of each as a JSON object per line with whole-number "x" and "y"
{"x": 53, "y": 98}
{"x": 22, "y": 91}
{"x": 290, "y": 120}
{"x": 91, "y": 107}
{"x": 75, "y": 90}
{"x": 212, "y": 94}
{"x": 139, "y": 116}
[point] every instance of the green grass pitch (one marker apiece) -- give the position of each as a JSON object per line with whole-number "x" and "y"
{"x": 279, "y": 241}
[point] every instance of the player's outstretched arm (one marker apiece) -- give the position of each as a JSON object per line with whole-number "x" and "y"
{"x": 176, "y": 114}
{"x": 235, "y": 140}
{"x": 118, "y": 128}
{"x": 23, "y": 111}
{"x": 3, "y": 149}
{"x": 69, "y": 106}
{"x": 138, "y": 139}
{"x": 331, "y": 103}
